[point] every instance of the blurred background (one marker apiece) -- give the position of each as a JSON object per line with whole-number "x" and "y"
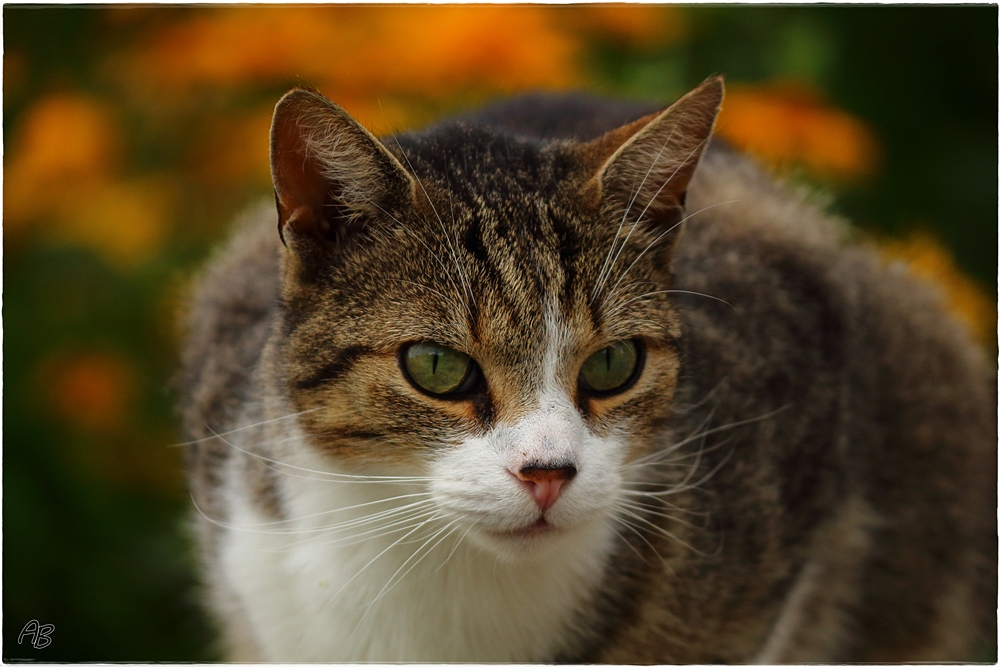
{"x": 134, "y": 135}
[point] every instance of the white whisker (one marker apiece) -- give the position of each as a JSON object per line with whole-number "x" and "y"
{"x": 657, "y": 239}
{"x": 685, "y": 486}
{"x": 661, "y": 530}
{"x": 399, "y": 525}
{"x": 444, "y": 267}
{"x": 725, "y": 427}
{"x": 241, "y": 428}
{"x": 613, "y": 311}
{"x": 603, "y": 276}
{"x": 344, "y": 477}
{"x": 355, "y": 576}
{"x": 447, "y": 237}
{"x": 635, "y": 529}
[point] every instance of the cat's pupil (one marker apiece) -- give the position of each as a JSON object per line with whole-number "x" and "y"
{"x": 436, "y": 368}
{"x": 611, "y": 368}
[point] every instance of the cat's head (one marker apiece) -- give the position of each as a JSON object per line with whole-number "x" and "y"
{"x": 486, "y": 310}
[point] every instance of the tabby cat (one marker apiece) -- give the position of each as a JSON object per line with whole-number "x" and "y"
{"x": 563, "y": 380}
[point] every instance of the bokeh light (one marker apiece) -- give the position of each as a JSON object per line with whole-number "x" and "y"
{"x": 134, "y": 135}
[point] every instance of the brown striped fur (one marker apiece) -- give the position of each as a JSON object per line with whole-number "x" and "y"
{"x": 848, "y": 452}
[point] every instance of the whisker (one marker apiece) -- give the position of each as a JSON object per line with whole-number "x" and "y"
{"x": 343, "y": 509}
{"x": 657, "y": 239}
{"x": 675, "y": 463}
{"x": 447, "y": 237}
{"x": 253, "y": 528}
{"x": 444, "y": 267}
{"x": 662, "y": 531}
{"x": 392, "y": 513}
{"x": 688, "y": 487}
{"x": 642, "y": 460}
{"x": 267, "y": 464}
{"x": 241, "y": 428}
{"x": 667, "y": 504}
{"x": 725, "y": 427}
{"x": 399, "y": 525}
{"x": 701, "y": 450}
{"x": 613, "y": 311}
{"x": 448, "y": 300}
{"x": 453, "y": 549}
{"x": 630, "y": 545}
{"x": 362, "y": 479}
{"x": 467, "y": 284}
{"x": 651, "y": 509}
{"x": 386, "y": 588}
{"x": 628, "y": 208}
{"x": 355, "y": 576}
{"x": 635, "y": 529}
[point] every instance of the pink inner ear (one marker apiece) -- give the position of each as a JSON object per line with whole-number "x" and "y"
{"x": 327, "y": 169}
{"x": 299, "y": 185}
{"x": 658, "y": 154}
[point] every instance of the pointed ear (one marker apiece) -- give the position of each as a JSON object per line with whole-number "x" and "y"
{"x": 645, "y": 166}
{"x": 329, "y": 172}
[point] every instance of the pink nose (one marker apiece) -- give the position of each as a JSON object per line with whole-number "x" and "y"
{"x": 544, "y": 484}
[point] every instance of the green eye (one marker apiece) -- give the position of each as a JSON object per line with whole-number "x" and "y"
{"x": 611, "y": 368}
{"x": 437, "y": 369}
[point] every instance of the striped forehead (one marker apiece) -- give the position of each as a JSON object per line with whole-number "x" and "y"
{"x": 519, "y": 287}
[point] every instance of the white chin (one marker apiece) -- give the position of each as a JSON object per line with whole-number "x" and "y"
{"x": 528, "y": 543}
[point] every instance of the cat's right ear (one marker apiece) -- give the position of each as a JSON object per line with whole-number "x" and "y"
{"x": 330, "y": 174}
{"x": 644, "y": 168}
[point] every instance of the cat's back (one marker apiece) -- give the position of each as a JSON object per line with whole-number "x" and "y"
{"x": 901, "y": 399}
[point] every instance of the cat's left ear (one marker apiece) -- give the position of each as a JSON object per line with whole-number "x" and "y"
{"x": 645, "y": 167}
{"x": 330, "y": 174}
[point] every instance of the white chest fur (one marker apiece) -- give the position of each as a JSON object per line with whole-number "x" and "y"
{"x": 313, "y": 593}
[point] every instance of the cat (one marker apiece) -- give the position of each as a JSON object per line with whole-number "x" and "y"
{"x": 566, "y": 380}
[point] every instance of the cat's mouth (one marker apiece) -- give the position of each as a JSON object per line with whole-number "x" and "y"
{"x": 538, "y": 528}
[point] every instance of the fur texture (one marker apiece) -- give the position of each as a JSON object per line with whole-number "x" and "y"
{"x": 802, "y": 469}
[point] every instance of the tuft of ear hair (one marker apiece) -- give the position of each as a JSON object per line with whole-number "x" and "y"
{"x": 329, "y": 172}
{"x": 645, "y": 166}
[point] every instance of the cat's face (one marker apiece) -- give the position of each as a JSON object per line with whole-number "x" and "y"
{"x": 491, "y": 313}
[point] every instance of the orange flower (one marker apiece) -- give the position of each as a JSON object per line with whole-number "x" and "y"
{"x": 787, "y": 124}
{"x": 927, "y": 258}
{"x": 61, "y": 183}
{"x": 639, "y": 26}
{"x": 63, "y": 142}
{"x": 93, "y": 392}
{"x": 430, "y": 50}
{"x": 233, "y": 149}
{"x": 424, "y": 50}
{"x": 90, "y": 390}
